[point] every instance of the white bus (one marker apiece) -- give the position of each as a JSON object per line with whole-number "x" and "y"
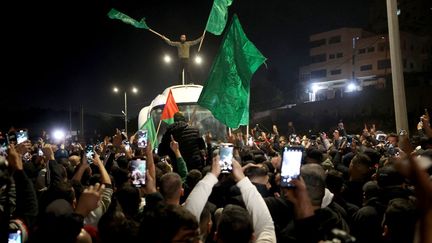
{"x": 186, "y": 97}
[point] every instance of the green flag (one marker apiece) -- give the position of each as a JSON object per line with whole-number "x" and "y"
{"x": 218, "y": 16}
{"x": 226, "y": 90}
{"x": 115, "y": 14}
{"x": 149, "y": 126}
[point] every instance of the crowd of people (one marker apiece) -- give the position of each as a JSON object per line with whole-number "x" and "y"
{"x": 368, "y": 186}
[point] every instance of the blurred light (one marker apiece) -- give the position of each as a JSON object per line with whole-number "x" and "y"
{"x": 59, "y": 135}
{"x": 167, "y": 59}
{"x": 198, "y": 60}
{"x": 351, "y": 87}
{"x": 398, "y": 12}
{"x": 135, "y": 90}
{"x": 115, "y": 89}
{"x": 315, "y": 88}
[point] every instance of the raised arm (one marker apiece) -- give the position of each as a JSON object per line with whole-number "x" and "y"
{"x": 169, "y": 42}
{"x": 257, "y": 208}
{"x": 181, "y": 164}
{"x": 198, "y": 197}
{"x": 195, "y": 42}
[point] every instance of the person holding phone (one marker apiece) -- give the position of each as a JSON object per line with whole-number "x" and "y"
{"x": 257, "y": 216}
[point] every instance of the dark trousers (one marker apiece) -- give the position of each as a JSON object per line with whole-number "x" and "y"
{"x": 184, "y": 65}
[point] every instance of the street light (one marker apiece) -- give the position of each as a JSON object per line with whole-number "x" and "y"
{"x": 125, "y": 112}
{"x": 167, "y": 59}
{"x": 198, "y": 60}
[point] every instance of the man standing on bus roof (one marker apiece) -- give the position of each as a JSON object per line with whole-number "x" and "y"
{"x": 183, "y": 50}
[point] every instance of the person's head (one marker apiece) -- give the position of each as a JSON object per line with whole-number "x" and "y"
{"x": 359, "y": 168}
{"x": 370, "y": 190}
{"x": 206, "y": 222}
{"x": 257, "y": 175}
{"x": 334, "y": 181}
{"x": 314, "y": 178}
{"x": 314, "y": 156}
{"x": 74, "y": 160}
{"x": 169, "y": 223}
{"x": 178, "y": 116}
{"x": 282, "y": 141}
{"x": 388, "y": 176}
{"x": 336, "y": 134}
{"x": 393, "y": 139}
{"x": 171, "y": 188}
{"x": 193, "y": 177}
{"x": 129, "y": 199}
{"x": 183, "y": 38}
{"x": 234, "y": 226}
{"x": 399, "y": 221}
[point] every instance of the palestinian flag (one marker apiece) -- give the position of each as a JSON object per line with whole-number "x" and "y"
{"x": 169, "y": 110}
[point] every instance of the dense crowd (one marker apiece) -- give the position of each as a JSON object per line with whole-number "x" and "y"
{"x": 365, "y": 187}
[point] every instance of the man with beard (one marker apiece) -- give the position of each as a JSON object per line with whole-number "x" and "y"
{"x": 183, "y": 47}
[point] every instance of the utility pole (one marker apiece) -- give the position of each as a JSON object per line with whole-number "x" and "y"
{"x": 82, "y": 124}
{"x": 125, "y": 112}
{"x": 396, "y": 67}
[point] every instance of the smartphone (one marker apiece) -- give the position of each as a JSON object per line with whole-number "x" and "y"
{"x": 126, "y": 144}
{"x": 3, "y": 144}
{"x": 89, "y": 153}
{"x": 15, "y": 236}
{"x": 21, "y": 136}
{"x": 291, "y": 163}
{"x": 40, "y": 152}
{"x": 138, "y": 174}
{"x": 142, "y": 138}
{"x": 226, "y": 155}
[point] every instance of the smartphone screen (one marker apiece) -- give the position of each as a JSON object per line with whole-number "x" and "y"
{"x": 22, "y": 136}
{"x": 3, "y": 145}
{"x": 142, "y": 138}
{"x": 15, "y": 237}
{"x": 89, "y": 153}
{"x": 138, "y": 174}
{"x": 226, "y": 155}
{"x": 126, "y": 144}
{"x": 291, "y": 163}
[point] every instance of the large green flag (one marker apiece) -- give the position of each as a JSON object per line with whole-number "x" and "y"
{"x": 226, "y": 90}
{"x": 218, "y": 16}
{"x": 115, "y": 14}
{"x": 149, "y": 126}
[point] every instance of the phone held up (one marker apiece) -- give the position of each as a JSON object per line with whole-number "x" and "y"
{"x": 142, "y": 138}
{"x": 226, "y": 156}
{"x": 138, "y": 172}
{"x": 89, "y": 153}
{"x": 15, "y": 236}
{"x": 291, "y": 163}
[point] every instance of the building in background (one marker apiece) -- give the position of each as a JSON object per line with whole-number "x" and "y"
{"x": 351, "y": 59}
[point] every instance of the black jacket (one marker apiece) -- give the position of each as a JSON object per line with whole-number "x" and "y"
{"x": 189, "y": 141}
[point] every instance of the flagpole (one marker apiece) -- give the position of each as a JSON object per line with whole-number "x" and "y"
{"x": 156, "y": 33}
{"x": 247, "y": 133}
{"x": 202, "y": 39}
{"x": 157, "y": 130}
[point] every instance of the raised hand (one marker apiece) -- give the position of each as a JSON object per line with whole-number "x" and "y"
{"x": 89, "y": 199}
{"x": 14, "y": 159}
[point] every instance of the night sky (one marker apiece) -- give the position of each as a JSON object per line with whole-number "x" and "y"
{"x": 67, "y": 53}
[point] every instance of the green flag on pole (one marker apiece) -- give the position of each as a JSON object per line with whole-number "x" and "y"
{"x": 218, "y": 16}
{"x": 226, "y": 90}
{"x": 115, "y": 14}
{"x": 149, "y": 126}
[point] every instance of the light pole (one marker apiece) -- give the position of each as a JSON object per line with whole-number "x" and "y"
{"x": 125, "y": 111}
{"x": 401, "y": 116}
